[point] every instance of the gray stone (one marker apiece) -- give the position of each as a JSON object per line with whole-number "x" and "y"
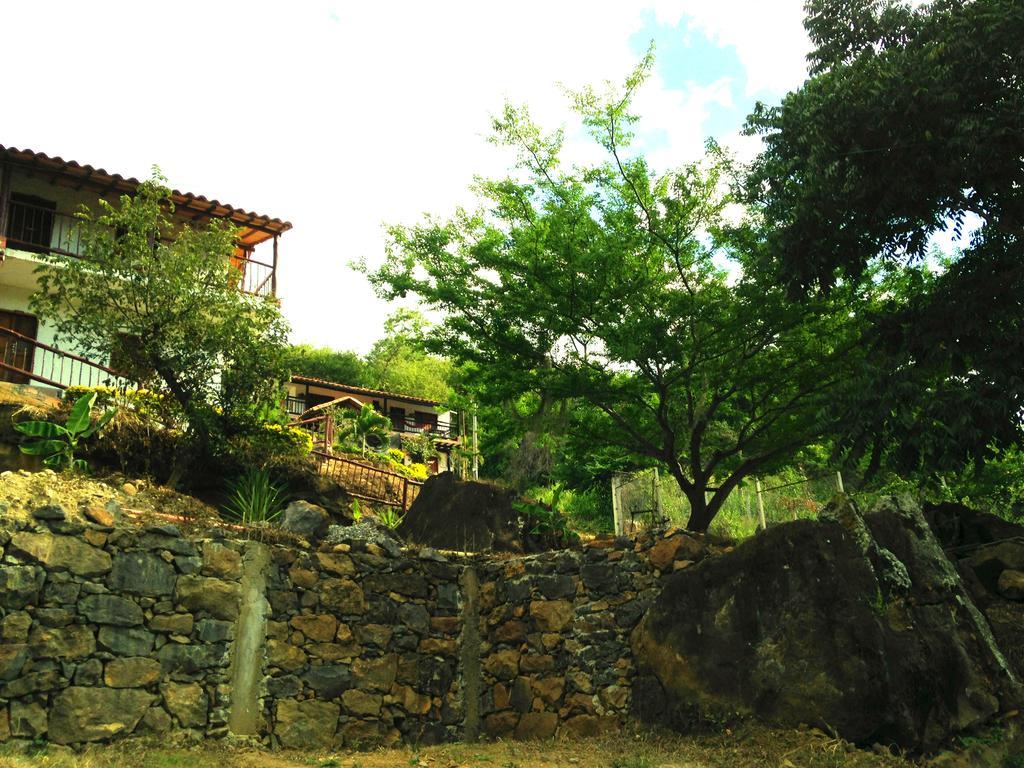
{"x": 141, "y": 573}
{"x": 49, "y": 512}
{"x": 304, "y": 519}
{"x": 329, "y": 681}
{"x": 66, "y": 643}
{"x": 306, "y": 725}
{"x": 221, "y": 561}
{"x": 1011, "y": 584}
{"x": 285, "y": 687}
{"x": 14, "y": 627}
{"x": 33, "y": 682}
{"x": 166, "y": 537}
{"x": 89, "y": 672}
{"x": 155, "y": 721}
{"x": 20, "y": 585}
{"x": 28, "y": 720}
{"x": 188, "y": 565}
{"x": 213, "y": 631}
{"x": 188, "y": 702}
{"x": 190, "y": 659}
{"x": 54, "y": 617}
{"x": 218, "y": 598}
{"x": 12, "y": 660}
{"x": 126, "y": 641}
{"x": 133, "y": 672}
{"x": 414, "y": 616}
{"x": 96, "y": 714}
{"x": 111, "y": 609}
{"x": 860, "y": 624}
{"x": 61, "y": 553}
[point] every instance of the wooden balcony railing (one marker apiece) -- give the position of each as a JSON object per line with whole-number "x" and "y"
{"x": 27, "y": 358}
{"x": 410, "y": 424}
{"x": 38, "y": 229}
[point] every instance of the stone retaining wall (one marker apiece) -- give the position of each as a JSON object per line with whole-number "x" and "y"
{"x": 106, "y": 632}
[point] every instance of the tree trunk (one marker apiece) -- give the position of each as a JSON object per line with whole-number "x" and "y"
{"x": 702, "y": 512}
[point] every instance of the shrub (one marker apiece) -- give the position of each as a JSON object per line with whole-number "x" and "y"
{"x": 58, "y": 444}
{"x": 254, "y": 499}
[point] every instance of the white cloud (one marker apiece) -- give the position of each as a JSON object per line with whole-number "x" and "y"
{"x": 343, "y": 115}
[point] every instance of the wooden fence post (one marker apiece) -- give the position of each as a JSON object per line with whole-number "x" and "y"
{"x": 760, "y": 504}
{"x": 620, "y": 528}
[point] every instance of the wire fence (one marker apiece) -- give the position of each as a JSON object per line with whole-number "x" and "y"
{"x": 649, "y": 499}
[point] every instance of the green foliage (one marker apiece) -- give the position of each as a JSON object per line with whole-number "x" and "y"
{"x": 546, "y": 518}
{"x": 420, "y": 446}
{"x": 911, "y": 123}
{"x": 163, "y": 296}
{"x": 255, "y": 499}
{"x": 390, "y": 518}
{"x": 342, "y": 367}
{"x": 57, "y": 444}
{"x": 356, "y": 510}
{"x": 399, "y": 362}
{"x": 361, "y": 431}
{"x": 604, "y": 287}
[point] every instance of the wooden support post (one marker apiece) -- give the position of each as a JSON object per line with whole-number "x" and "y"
{"x": 618, "y": 522}
{"x": 760, "y": 504}
{"x": 656, "y": 497}
{"x": 5, "y": 196}
{"x": 273, "y": 274}
{"x": 476, "y": 451}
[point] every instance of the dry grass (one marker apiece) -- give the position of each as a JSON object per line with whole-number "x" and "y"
{"x": 750, "y": 747}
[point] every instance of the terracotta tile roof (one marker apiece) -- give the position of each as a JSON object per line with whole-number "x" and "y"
{"x": 363, "y": 390}
{"x": 255, "y": 227}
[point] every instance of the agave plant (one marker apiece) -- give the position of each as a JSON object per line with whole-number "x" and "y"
{"x": 390, "y": 518}
{"x": 255, "y": 499}
{"x": 57, "y": 443}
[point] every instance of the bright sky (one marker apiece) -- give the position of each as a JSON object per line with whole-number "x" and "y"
{"x": 341, "y": 116}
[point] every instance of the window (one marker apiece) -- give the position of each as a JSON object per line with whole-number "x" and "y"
{"x": 30, "y": 221}
{"x": 397, "y": 416}
{"x": 14, "y": 351}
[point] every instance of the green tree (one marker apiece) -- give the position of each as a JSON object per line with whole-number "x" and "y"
{"x": 162, "y": 296}
{"x": 361, "y": 430}
{"x": 912, "y": 121}
{"x": 399, "y": 361}
{"x": 340, "y": 366}
{"x": 623, "y": 289}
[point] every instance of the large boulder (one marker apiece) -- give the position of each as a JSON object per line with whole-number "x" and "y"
{"x": 462, "y": 515}
{"x": 857, "y": 624}
{"x": 96, "y": 714}
{"x": 306, "y": 520}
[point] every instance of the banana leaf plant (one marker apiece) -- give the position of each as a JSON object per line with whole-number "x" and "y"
{"x": 57, "y": 444}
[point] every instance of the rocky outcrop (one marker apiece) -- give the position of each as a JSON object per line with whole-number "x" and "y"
{"x": 463, "y": 515}
{"x": 860, "y": 625}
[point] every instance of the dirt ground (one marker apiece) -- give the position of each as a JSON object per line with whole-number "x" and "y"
{"x": 749, "y": 747}
{"x": 22, "y": 491}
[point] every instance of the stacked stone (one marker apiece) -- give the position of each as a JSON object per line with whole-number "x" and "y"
{"x": 555, "y": 647}
{"x": 363, "y": 646}
{"x": 106, "y": 632}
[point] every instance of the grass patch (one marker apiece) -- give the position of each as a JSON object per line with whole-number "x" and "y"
{"x": 747, "y": 747}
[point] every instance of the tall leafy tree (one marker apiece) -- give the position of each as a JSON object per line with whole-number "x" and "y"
{"x": 912, "y": 121}
{"x": 400, "y": 362}
{"x": 162, "y": 297}
{"x": 341, "y": 366}
{"x": 623, "y": 289}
